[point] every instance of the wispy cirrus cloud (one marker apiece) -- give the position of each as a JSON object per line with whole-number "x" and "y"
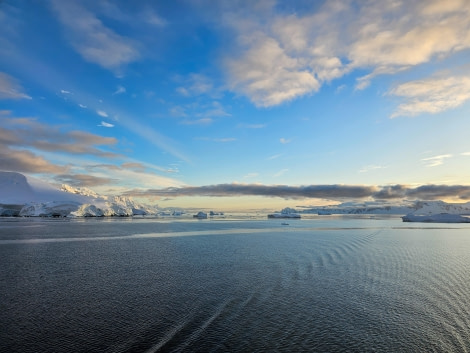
{"x": 281, "y": 172}
{"x": 10, "y": 88}
{"x": 275, "y": 156}
{"x": 94, "y": 41}
{"x": 119, "y": 90}
{"x": 372, "y": 167}
{"x": 436, "y": 160}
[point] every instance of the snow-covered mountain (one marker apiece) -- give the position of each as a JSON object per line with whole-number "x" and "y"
{"x": 26, "y": 196}
{"x": 416, "y": 208}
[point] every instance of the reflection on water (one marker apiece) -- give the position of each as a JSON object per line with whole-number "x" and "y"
{"x": 337, "y": 284}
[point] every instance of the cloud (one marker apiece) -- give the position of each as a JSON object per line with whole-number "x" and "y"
{"x": 216, "y": 111}
{"x": 203, "y": 121}
{"x": 436, "y": 160}
{"x": 134, "y": 166}
{"x": 10, "y": 88}
{"x": 82, "y": 106}
{"x": 105, "y": 124}
{"x": 120, "y": 90}
{"x": 196, "y": 85}
{"x": 28, "y": 132}
{"x": 252, "y": 126}
{"x": 284, "y": 191}
{"x": 432, "y": 95}
{"x": 102, "y": 113}
{"x": 284, "y": 140}
{"x": 225, "y": 139}
{"x": 328, "y": 192}
{"x": 284, "y": 56}
{"x": 251, "y": 175}
{"x": 276, "y": 156}
{"x": 95, "y": 42}
{"x": 63, "y": 91}
{"x": 82, "y": 180}
{"x": 26, "y": 162}
{"x": 222, "y": 139}
{"x": 369, "y": 168}
{"x": 268, "y": 75}
{"x": 281, "y": 172}
{"x": 178, "y": 112}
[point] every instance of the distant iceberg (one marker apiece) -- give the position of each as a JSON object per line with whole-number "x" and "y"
{"x": 436, "y": 218}
{"x": 200, "y": 215}
{"x": 285, "y": 213}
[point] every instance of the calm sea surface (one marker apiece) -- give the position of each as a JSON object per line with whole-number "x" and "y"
{"x": 324, "y": 284}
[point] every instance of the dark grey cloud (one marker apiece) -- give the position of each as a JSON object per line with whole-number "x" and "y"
{"x": 435, "y": 192}
{"x": 330, "y": 192}
{"x": 283, "y": 191}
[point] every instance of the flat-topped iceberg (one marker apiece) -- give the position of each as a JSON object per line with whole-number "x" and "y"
{"x": 436, "y": 218}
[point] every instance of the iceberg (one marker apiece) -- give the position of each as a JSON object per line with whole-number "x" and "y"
{"x": 436, "y": 218}
{"x": 200, "y": 215}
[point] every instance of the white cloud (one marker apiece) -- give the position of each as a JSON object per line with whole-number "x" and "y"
{"x": 105, "y": 124}
{"x": 178, "y": 112}
{"x": 120, "y": 90}
{"x": 369, "y": 168}
{"x": 225, "y": 139}
{"x": 252, "y": 126}
{"x": 10, "y": 88}
{"x": 436, "y": 160}
{"x": 276, "y": 156}
{"x": 216, "y": 111}
{"x": 281, "y": 172}
{"x": 63, "y": 91}
{"x": 268, "y": 75}
{"x": 203, "y": 121}
{"x": 94, "y": 41}
{"x": 286, "y": 56}
{"x": 195, "y": 85}
{"x": 251, "y": 175}
{"x": 82, "y": 105}
{"x": 284, "y": 140}
{"x": 432, "y": 95}
{"x": 102, "y": 113}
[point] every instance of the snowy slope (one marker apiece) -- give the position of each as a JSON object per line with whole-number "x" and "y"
{"x": 15, "y": 188}
{"x": 25, "y": 196}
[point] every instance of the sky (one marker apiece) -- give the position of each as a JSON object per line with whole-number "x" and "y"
{"x": 239, "y": 104}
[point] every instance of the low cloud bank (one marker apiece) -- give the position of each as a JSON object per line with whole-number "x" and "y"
{"x": 331, "y": 192}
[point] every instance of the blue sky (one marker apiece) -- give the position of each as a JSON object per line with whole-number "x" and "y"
{"x": 239, "y": 104}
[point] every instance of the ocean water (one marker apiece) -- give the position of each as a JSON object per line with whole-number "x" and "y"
{"x": 238, "y": 284}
